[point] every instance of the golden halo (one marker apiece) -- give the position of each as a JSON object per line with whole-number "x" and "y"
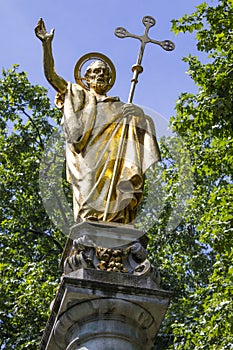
{"x": 88, "y": 57}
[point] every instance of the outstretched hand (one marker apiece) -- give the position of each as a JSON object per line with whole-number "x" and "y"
{"x": 41, "y": 32}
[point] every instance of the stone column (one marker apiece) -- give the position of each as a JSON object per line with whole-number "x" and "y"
{"x": 99, "y": 308}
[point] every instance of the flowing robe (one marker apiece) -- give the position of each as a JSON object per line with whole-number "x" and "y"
{"x": 93, "y": 128}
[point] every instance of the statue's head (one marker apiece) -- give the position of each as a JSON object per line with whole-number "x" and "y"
{"x": 98, "y": 76}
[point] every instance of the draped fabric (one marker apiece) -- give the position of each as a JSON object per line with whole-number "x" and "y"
{"x": 93, "y": 128}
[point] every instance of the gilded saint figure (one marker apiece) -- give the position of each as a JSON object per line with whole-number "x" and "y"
{"x": 93, "y": 123}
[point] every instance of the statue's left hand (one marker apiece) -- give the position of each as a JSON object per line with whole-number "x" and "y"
{"x": 135, "y": 113}
{"x": 131, "y": 110}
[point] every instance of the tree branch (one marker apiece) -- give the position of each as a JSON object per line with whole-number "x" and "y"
{"x": 37, "y": 130}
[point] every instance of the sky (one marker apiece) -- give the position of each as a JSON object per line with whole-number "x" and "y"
{"x": 83, "y": 26}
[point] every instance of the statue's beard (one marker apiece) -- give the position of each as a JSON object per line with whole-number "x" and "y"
{"x": 99, "y": 85}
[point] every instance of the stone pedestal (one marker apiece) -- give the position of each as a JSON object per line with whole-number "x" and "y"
{"x": 98, "y": 308}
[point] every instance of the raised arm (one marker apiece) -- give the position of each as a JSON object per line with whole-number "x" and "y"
{"x": 58, "y": 83}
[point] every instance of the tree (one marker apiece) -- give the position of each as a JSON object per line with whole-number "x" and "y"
{"x": 30, "y": 244}
{"x": 196, "y": 257}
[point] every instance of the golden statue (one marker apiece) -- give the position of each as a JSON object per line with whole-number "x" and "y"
{"x": 110, "y": 144}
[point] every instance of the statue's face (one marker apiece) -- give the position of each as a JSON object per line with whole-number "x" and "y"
{"x": 98, "y": 77}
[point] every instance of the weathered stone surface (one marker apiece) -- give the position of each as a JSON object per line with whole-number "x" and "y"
{"x": 109, "y": 297}
{"x": 105, "y": 310}
{"x": 83, "y": 250}
{"x": 105, "y": 234}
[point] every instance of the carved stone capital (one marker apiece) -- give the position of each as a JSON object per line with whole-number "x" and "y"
{"x": 131, "y": 258}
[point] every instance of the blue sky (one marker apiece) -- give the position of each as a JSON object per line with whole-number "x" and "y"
{"x": 82, "y": 26}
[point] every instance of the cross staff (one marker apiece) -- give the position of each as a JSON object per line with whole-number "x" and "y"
{"x": 167, "y": 45}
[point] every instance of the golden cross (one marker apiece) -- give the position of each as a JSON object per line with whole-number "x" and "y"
{"x": 167, "y": 45}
